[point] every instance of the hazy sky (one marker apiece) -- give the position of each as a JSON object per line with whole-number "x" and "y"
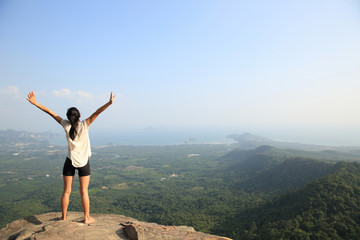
{"x": 290, "y": 66}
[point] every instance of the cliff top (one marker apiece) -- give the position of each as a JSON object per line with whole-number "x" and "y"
{"x": 107, "y": 226}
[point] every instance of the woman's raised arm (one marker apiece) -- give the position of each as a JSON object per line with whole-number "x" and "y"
{"x": 31, "y": 98}
{"x": 93, "y": 116}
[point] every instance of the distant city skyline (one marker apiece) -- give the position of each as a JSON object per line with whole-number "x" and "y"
{"x": 280, "y": 69}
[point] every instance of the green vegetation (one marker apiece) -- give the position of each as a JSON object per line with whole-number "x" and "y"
{"x": 327, "y": 208}
{"x": 263, "y": 193}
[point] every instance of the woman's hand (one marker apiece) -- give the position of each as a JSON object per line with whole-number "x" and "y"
{"x": 31, "y": 98}
{"x": 112, "y": 97}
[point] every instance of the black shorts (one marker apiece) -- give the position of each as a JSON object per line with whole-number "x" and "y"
{"x": 69, "y": 169}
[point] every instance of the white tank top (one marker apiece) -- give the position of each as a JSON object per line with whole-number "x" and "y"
{"x": 79, "y": 150}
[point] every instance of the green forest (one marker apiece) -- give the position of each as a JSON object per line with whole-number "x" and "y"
{"x": 260, "y": 193}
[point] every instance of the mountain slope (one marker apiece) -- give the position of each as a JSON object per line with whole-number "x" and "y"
{"x": 328, "y": 208}
{"x": 268, "y": 169}
{"x": 288, "y": 175}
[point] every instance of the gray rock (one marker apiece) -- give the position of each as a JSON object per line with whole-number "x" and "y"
{"x": 107, "y": 227}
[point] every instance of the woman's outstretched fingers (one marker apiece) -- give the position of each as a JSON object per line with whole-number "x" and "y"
{"x": 112, "y": 97}
{"x": 31, "y": 97}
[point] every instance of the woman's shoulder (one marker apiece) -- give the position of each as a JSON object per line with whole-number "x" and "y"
{"x": 84, "y": 124}
{"x": 65, "y": 122}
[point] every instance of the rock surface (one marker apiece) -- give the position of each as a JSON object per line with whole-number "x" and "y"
{"x": 107, "y": 226}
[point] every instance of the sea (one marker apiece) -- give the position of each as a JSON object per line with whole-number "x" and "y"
{"x": 154, "y": 136}
{"x": 216, "y": 135}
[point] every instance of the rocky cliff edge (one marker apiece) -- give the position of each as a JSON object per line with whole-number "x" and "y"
{"x": 108, "y": 226}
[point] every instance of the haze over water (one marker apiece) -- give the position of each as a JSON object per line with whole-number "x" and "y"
{"x": 171, "y": 136}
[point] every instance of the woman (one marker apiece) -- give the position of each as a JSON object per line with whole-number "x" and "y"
{"x": 78, "y": 154}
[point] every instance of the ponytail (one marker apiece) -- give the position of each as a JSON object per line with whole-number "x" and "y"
{"x": 72, "y": 132}
{"x": 73, "y": 116}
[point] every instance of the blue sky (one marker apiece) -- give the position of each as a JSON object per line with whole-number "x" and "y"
{"x": 282, "y": 68}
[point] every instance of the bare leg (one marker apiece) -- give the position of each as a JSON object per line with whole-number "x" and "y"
{"x": 85, "y": 201}
{"x": 68, "y": 181}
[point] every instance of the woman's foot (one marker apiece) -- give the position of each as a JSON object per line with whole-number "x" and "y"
{"x": 89, "y": 220}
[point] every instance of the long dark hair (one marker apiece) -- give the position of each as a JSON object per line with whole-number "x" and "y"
{"x": 73, "y": 116}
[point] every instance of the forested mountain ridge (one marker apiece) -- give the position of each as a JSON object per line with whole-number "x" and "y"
{"x": 239, "y": 155}
{"x": 271, "y": 170}
{"x": 289, "y": 175}
{"x": 328, "y": 208}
